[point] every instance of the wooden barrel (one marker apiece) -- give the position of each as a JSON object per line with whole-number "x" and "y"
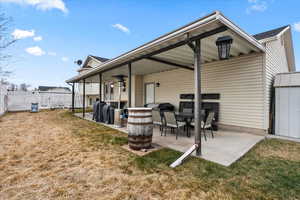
{"x": 140, "y": 128}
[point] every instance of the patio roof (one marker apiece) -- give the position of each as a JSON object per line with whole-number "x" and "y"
{"x": 171, "y": 50}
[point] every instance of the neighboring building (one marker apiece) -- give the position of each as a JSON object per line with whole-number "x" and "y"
{"x": 163, "y": 69}
{"x": 91, "y": 89}
{"x": 54, "y": 89}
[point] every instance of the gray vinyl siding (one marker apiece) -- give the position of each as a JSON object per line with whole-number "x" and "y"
{"x": 238, "y": 80}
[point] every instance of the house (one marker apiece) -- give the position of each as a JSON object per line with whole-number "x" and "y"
{"x": 187, "y": 61}
{"x": 91, "y": 89}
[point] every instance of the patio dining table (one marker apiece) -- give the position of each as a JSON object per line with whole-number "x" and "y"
{"x": 188, "y": 118}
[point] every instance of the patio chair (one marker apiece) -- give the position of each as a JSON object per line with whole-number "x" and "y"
{"x": 207, "y": 124}
{"x": 172, "y": 123}
{"x": 186, "y": 104}
{"x": 157, "y": 120}
{"x": 181, "y": 119}
{"x": 184, "y": 110}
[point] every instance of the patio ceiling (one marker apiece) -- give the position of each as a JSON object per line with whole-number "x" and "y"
{"x": 171, "y": 50}
{"x": 140, "y": 67}
{"x": 209, "y": 52}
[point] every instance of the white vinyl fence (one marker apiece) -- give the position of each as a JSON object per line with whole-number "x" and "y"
{"x": 21, "y": 101}
{"x": 3, "y": 99}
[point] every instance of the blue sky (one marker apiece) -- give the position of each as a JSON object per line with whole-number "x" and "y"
{"x": 54, "y": 33}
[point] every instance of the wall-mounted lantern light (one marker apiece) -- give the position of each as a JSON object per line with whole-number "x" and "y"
{"x": 157, "y": 84}
{"x": 224, "y": 44}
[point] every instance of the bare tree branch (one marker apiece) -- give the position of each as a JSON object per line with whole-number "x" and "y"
{"x": 5, "y": 41}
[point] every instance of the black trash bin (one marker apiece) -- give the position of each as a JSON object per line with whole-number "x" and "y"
{"x": 100, "y": 111}
{"x": 96, "y": 111}
{"x": 108, "y": 114}
{"x": 105, "y": 113}
{"x": 111, "y": 115}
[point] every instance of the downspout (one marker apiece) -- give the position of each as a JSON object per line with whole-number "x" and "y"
{"x": 264, "y": 89}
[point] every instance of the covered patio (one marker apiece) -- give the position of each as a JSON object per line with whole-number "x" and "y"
{"x": 226, "y": 148}
{"x": 193, "y": 51}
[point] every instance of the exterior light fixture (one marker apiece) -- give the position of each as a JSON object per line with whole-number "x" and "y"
{"x": 157, "y": 84}
{"x": 224, "y": 44}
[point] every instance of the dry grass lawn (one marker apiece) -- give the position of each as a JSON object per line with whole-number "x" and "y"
{"x": 53, "y": 155}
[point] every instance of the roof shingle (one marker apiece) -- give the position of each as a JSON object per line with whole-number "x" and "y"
{"x": 269, "y": 33}
{"x": 101, "y": 59}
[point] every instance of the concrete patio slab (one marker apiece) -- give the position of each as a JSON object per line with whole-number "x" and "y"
{"x": 225, "y": 148}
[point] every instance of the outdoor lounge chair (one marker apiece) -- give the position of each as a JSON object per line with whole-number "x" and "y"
{"x": 172, "y": 123}
{"x": 157, "y": 120}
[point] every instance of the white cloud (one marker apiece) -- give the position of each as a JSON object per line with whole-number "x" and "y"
{"x": 202, "y": 14}
{"x": 121, "y": 28}
{"x": 21, "y": 34}
{"x": 38, "y": 38}
{"x": 41, "y": 4}
{"x": 297, "y": 26}
{"x": 51, "y": 53}
{"x": 35, "y": 51}
{"x": 65, "y": 59}
{"x": 257, "y": 5}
